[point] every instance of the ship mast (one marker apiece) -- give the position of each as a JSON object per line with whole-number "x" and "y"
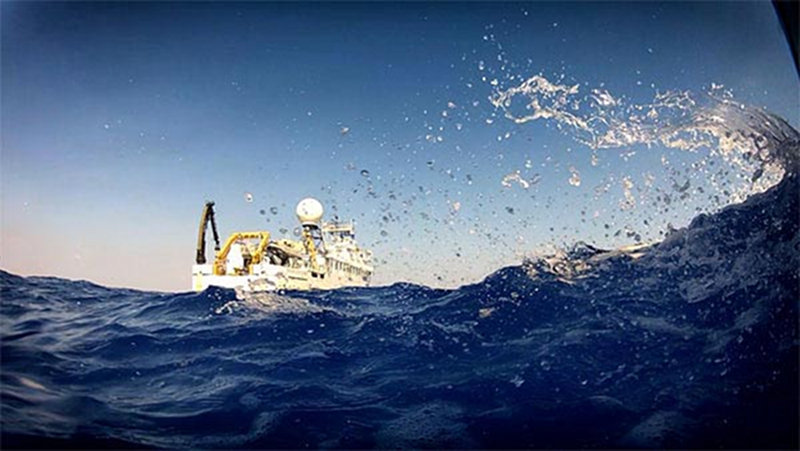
{"x": 206, "y": 217}
{"x": 309, "y": 211}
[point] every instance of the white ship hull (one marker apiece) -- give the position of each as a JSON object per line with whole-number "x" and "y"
{"x": 268, "y": 277}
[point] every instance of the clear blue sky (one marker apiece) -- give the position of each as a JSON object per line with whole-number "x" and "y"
{"x": 119, "y": 120}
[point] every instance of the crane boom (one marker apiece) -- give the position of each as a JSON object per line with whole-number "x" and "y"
{"x": 206, "y": 217}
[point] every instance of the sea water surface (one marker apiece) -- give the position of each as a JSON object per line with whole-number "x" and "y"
{"x": 689, "y": 342}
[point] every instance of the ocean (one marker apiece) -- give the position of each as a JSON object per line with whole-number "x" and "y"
{"x": 692, "y": 342}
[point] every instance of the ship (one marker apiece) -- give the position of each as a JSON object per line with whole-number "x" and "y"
{"x": 325, "y": 257}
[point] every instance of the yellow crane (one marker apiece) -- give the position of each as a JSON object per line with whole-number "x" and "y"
{"x": 255, "y": 256}
{"x": 221, "y": 255}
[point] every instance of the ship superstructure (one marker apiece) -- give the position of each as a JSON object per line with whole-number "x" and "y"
{"x": 326, "y": 257}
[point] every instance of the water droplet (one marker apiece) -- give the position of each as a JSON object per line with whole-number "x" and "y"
{"x": 273, "y": 210}
{"x": 575, "y": 177}
{"x": 248, "y": 197}
{"x": 365, "y": 173}
{"x": 514, "y": 177}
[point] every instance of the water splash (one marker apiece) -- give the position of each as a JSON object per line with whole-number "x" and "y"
{"x": 269, "y": 303}
{"x": 753, "y": 142}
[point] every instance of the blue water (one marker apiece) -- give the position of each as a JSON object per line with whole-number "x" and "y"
{"x": 692, "y": 344}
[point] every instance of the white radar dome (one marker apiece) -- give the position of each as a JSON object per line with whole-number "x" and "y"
{"x": 309, "y": 211}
